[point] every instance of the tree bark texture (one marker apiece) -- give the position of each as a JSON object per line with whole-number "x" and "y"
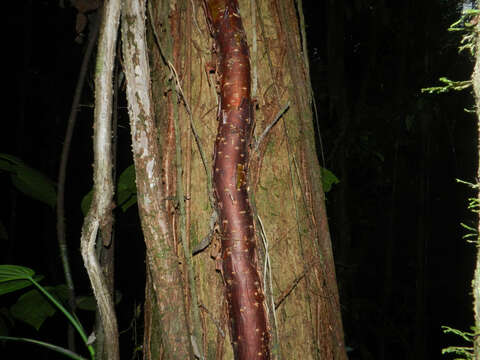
{"x": 248, "y": 319}
{"x": 162, "y": 261}
{"x": 283, "y": 173}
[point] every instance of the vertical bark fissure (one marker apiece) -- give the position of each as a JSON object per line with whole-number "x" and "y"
{"x": 330, "y": 340}
{"x": 299, "y": 108}
{"x": 161, "y": 257}
{"x": 189, "y": 271}
{"x": 248, "y": 317}
{"x": 187, "y": 28}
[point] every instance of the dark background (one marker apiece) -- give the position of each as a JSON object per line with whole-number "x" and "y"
{"x": 397, "y": 153}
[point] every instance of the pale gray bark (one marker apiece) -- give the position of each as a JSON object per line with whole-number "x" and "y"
{"x": 161, "y": 257}
{"x": 100, "y": 213}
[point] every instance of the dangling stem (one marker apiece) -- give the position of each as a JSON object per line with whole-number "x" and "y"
{"x": 62, "y": 171}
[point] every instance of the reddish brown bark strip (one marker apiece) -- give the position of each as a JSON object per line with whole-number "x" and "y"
{"x": 248, "y": 319}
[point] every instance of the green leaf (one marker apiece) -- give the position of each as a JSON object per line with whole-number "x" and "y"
{"x": 86, "y": 303}
{"x": 126, "y": 181}
{"x": 53, "y": 347}
{"x": 86, "y": 202}
{"x": 33, "y": 308}
{"x": 15, "y": 277}
{"x": 126, "y": 191}
{"x": 32, "y": 302}
{"x": 15, "y": 272}
{"x": 35, "y": 185}
{"x": 328, "y": 179}
{"x": 29, "y": 181}
{"x": 14, "y": 285}
{"x": 61, "y": 291}
{"x": 126, "y": 188}
{"x": 131, "y": 201}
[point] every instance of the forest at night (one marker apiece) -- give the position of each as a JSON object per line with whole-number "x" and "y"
{"x": 364, "y": 108}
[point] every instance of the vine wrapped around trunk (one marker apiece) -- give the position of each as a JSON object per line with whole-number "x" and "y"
{"x": 248, "y": 319}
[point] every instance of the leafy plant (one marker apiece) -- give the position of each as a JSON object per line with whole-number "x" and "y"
{"x": 465, "y": 351}
{"x": 448, "y": 86}
{"x": 473, "y": 205}
{"x": 126, "y": 194}
{"x": 29, "y": 181}
{"x": 34, "y": 308}
{"x": 328, "y": 179}
{"x": 465, "y": 24}
{"x": 13, "y": 278}
{"x": 126, "y": 188}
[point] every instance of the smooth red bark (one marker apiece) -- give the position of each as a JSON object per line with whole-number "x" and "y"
{"x": 248, "y": 319}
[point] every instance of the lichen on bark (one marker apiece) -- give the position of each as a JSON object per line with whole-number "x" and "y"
{"x": 162, "y": 261}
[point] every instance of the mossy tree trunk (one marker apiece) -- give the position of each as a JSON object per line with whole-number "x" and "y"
{"x": 283, "y": 182}
{"x": 476, "y": 276}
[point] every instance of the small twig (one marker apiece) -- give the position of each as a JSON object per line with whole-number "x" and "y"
{"x": 216, "y": 322}
{"x": 289, "y": 290}
{"x": 272, "y": 124}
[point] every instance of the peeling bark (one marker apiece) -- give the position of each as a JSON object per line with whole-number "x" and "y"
{"x": 161, "y": 257}
{"x": 248, "y": 318}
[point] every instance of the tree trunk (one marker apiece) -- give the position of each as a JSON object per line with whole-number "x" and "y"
{"x": 286, "y": 219}
{"x": 476, "y": 276}
{"x": 173, "y": 341}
